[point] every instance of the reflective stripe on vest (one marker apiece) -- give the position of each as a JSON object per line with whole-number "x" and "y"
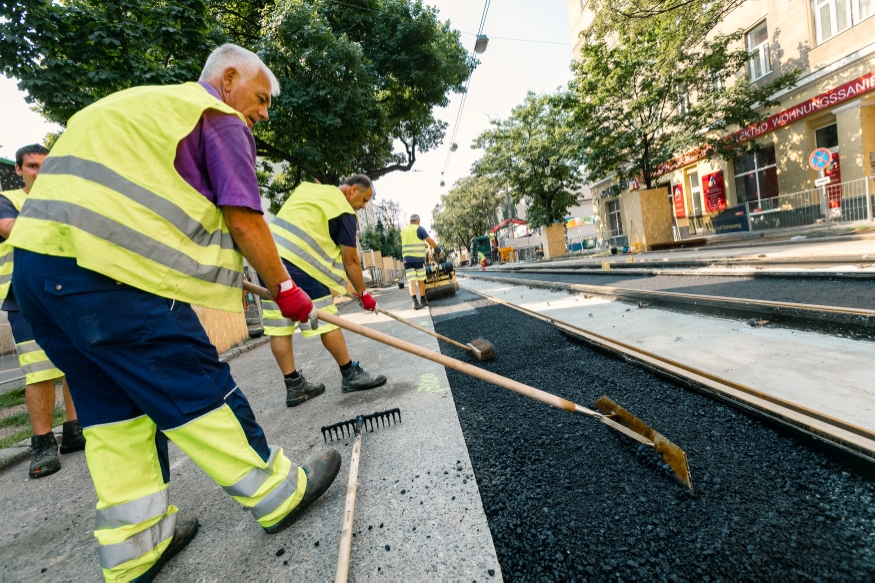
{"x": 110, "y": 196}
{"x": 17, "y": 198}
{"x": 300, "y": 231}
{"x": 111, "y": 556}
{"x": 133, "y": 512}
{"x": 411, "y": 244}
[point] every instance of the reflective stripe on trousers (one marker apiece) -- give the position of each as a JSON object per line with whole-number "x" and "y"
{"x": 415, "y": 274}
{"x": 35, "y": 364}
{"x": 276, "y": 325}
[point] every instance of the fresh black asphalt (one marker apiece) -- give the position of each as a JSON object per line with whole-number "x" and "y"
{"x": 566, "y": 499}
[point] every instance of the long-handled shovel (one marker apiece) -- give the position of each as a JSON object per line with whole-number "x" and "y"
{"x": 615, "y": 416}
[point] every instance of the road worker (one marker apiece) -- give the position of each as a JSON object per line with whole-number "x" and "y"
{"x": 40, "y": 375}
{"x": 481, "y": 259}
{"x": 413, "y": 251}
{"x": 315, "y": 234}
{"x": 149, "y": 202}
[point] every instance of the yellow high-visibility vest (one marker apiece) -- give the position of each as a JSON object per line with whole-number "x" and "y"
{"x": 109, "y": 195}
{"x": 300, "y": 232}
{"x": 17, "y": 198}
{"x": 411, "y": 244}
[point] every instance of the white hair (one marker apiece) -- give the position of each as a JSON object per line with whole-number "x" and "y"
{"x": 245, "y": 61}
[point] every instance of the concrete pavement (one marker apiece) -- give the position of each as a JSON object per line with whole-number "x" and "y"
{"x": 418, "y": 513}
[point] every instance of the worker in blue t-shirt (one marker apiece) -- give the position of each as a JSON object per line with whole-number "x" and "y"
{"x": 413, "y": 250}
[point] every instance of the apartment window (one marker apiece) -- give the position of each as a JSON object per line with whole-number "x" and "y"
{"x": 683, "y": 99}
{"x": 758, "y": 44}
{"x": 832, "y": 17}
{"x": 614, "y": 221}
{"x": 827, "y": 137}
{"x": 695, "y": 189}
{"x": 756, "y": 176}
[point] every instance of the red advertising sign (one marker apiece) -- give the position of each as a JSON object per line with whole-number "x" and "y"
{"x": 678, "y": 193}
{"x": 823, "y": 101}
{"x": 834, "y": 189}
{"x": 715, "y": 192}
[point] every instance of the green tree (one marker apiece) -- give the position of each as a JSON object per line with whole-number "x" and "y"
{"x": 536, "y": 156}
{"x": 467, "y": 211}
{"x": 360, "y": 82}
{"x": 644, "y": 99}
{"x": 379, "y": 238}
{"x": 67, "y": 55}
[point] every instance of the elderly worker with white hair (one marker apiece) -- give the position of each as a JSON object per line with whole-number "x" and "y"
{"x": 148, "y": 203}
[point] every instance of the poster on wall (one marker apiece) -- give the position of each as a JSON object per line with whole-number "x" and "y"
{"x": 678, "y": 194}
{"x": 834, "y": 188}
{"x": 715, "y": 192}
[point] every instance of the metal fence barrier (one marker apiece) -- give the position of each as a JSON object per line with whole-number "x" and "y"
{"x": 846, "y": 202}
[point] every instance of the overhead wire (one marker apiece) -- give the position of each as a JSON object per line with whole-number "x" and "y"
{"x": 465, "y": 94}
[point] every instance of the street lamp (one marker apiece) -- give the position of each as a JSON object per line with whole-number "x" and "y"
{"x": 481, "y": 44}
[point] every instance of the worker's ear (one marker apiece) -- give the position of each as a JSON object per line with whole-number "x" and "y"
{"x": 229, "y": 78}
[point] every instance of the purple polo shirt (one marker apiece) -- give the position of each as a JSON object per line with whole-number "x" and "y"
{"x": 218, "y": 159}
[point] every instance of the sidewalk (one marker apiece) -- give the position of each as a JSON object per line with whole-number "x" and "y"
{"x": 418, "y": 517}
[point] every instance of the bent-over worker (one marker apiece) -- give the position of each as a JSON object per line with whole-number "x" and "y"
{"x": 315, "y": 234}
{"x": 144, "y": 206}
{"x": 413, "y": 251}
{"x": 40, "y": 374}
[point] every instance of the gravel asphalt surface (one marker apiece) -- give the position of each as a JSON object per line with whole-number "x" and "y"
{"x": 567, "y": 499}
{"x": 842, "y": 293}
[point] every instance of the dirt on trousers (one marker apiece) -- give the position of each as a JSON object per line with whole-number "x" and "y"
{"x": 567, "y": 499}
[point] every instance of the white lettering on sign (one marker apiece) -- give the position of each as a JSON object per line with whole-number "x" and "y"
{"x": 822, "y": 181}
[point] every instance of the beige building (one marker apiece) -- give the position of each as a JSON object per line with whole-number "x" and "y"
{"x": 832, "y": 43}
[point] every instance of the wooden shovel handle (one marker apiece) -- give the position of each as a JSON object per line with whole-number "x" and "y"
{"x": 341, "y": 574}
{"x": 426, "y": 330}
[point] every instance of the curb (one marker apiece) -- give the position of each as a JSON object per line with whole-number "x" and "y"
{"x": 21, "y": 450}
{"x": 237, "y": 351}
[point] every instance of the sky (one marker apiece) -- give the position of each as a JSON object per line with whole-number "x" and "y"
{"x": 508, "y": 70}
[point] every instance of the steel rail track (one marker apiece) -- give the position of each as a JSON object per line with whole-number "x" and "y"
{"x": 748, "y": 261}
{"x": 835, "y": 433}
{"x": 647, "y": 272}
{"x": 780, "y": 311}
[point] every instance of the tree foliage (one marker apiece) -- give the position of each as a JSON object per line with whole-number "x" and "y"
{"x": 360, "y": 79}
{"x": 467, "y": 211}
{"x": 68, "y": 55}
{"x": 643, "y": 100}
{"x": 536, "y": 156}
{"x": 385, "y": 240}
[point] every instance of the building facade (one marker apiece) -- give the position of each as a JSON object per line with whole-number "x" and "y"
{"x": 832, "y": 106}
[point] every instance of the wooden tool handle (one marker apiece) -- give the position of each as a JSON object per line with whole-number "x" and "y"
{"x": 483, "y": 375}
{"x": 341, "y": 574}
{"x": 426, "y": 330}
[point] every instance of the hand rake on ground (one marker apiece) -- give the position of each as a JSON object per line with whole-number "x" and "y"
{"x": 616, "y": 417}
{"x": 340, "y": 430}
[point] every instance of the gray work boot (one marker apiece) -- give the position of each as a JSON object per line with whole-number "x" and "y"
{"x": 424, "y": 301}
{"x": 416, "y": 304}
{"x": 44, "y": 459}
{"x": 356, "y": 379}
{"x": 299, "y": 390}
{"x": 184, "y": 533}
{"x": 72, "y": 438}
{"x": 321, "y": 469}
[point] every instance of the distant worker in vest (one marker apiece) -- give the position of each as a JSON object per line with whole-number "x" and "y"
{"x": 481, "y": 259}
{"x": 315, "y": 234}
{"x": 40, "y": 375}
{"x": 147, "y": 203}
{"x": 413, "y": 241}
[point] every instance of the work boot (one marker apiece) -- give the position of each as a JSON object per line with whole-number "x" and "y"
{"x": 185, "y": 531}
{"x": 416, "y": 304}
{"x": 72, "y": 438}
{"x": 299, "y": 390}
{"x": 424, "y": 301}
{"x": 356, "y": 379}
{"x": 44, "y": 455}
{"x": 321, "y": 470}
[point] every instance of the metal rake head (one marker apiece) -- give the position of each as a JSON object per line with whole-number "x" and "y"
{"x": 353, "y": 426}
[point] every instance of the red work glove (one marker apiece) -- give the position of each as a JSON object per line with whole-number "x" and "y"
{"x": 367, "y": 301}
{"x": 293, "y": 302}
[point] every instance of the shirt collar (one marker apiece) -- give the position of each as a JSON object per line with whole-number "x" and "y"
{"x": 210, "y": 89}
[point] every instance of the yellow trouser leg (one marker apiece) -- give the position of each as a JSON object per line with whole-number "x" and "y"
{"x": 218, "y": 444}
{"x": 134, "y": 522}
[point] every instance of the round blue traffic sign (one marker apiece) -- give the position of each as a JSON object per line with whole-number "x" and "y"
{"x": 820, "y": 159}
